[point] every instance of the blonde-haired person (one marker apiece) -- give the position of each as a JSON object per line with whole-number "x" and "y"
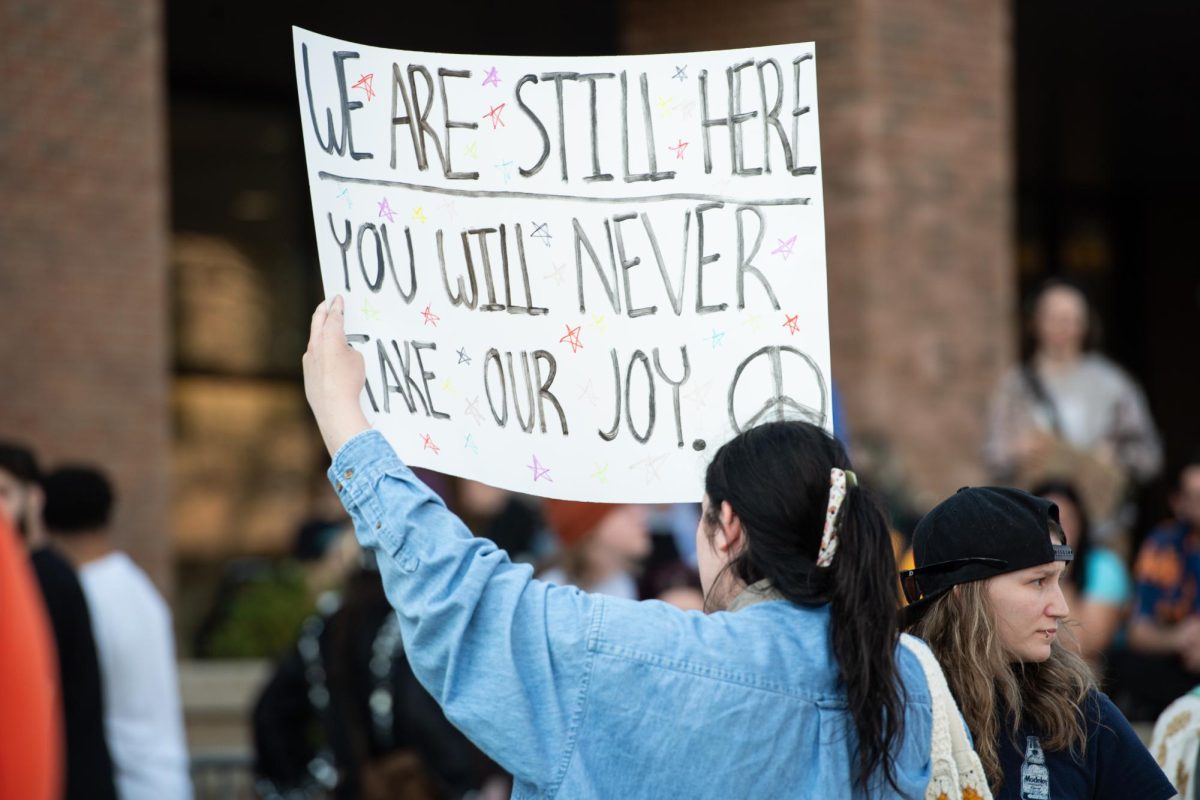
{"x": 986, "y": 596}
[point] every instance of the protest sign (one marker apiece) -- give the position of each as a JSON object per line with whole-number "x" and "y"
{"x": 572, "y": 277}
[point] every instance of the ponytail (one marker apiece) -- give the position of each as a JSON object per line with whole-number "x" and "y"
{"x": 776, "y": 477}
{"x": 864, "y": 632}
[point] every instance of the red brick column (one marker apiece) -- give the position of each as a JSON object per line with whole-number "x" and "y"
{"x": 915, "y": 105}
{"x": 84, "y": 355}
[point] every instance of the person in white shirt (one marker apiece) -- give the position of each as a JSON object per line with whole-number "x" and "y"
{"x": 143, "y": 717}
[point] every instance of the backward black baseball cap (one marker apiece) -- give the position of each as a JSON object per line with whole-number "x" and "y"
{"x": 977, "y": 533}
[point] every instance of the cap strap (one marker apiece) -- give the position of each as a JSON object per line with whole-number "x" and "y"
{"x": 838, "y": 480}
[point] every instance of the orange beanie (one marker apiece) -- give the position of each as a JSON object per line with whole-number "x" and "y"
{"x": 571, "y": 522}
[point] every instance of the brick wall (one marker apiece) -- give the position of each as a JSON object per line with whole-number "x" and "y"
{"x": 916, "y": 146}
{"x": 84, "y": 355}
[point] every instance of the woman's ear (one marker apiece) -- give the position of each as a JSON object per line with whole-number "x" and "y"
{"x": 728, "y": 538}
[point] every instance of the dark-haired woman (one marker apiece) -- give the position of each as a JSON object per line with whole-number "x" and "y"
{"x": 801, "y": 690}
{"x": 1066, "y": 411}
{"x": 1096, "y": 585}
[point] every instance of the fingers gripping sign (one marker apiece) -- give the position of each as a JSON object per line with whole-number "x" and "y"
{"x": 334, "y": 375}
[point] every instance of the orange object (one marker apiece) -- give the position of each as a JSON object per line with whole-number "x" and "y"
{"x": 31, "y": 743}
{"x": 571, "y": 522}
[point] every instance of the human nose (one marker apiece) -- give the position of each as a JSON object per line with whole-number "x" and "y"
{"x": 1058, "y": 608}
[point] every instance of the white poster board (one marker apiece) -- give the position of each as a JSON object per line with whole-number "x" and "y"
{"x": 572, "y": 277}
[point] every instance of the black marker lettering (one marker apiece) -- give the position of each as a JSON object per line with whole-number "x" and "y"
{"x": 376, "y": 284}
{"x": 525, "y": 173}
{"x": 638, "y": 355}
{"x": 544, "y": 392}
{"x": 412, "y": 264}
{"x": 744, "y": 266}
{"x": 494, "y": 354}
{"x": 675, "y": 386}
{"x": 344, "y": 245}
{"x": 448, "y": 170}
{"x": 512, "y": 377}
{"x": 361, "y": 338}
{"x": 608, "y": 436}
{"x": 460, "y": 297}
{"x": 427, "y": 376}
{"x": 703, "y": 259}
{"x": 336, "y": 144}
{"x": 558, "y": 78}
{"x": 591, "y": 78}
{"x": 626, "y": 265}
{"x": 610, "y": 287}
{"x": 394, "y": 385}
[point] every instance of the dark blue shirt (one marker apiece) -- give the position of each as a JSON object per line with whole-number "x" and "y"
{"x": 1114, "y": 765}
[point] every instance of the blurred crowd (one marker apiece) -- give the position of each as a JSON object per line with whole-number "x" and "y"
{"x": 342, "y": 714}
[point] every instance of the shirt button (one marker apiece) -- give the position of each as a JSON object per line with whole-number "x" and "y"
{"x": 339, "y": 486}
{"x": 348, "y": 474}
{"x": 378, "y": 525}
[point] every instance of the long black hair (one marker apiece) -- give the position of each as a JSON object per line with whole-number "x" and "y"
{"x": 776, "y": 478}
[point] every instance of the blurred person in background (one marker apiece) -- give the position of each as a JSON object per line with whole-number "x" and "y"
{"x": 509, "y": 520}
{"x": 1165, "y": 630}
{"x": 88, "y": 764}
{"x": 134, "y": 639}
{"x": 343, "y": 713}
{"x": 603, "y": 545}
{"x": 1066, "y": 412}
{"x": 1097, "y": 585}
{"x": 31, "y": 758}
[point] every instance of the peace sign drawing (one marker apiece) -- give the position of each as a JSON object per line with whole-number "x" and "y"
{"x": 805, "y": 378}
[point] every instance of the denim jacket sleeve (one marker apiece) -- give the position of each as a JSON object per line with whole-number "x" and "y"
{"x": 505, "y": 656}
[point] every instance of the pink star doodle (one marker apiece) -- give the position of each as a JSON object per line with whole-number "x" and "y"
{"x": 427, "y": 444}
{"x": 494, "y": 115}
{"x": 364, "y": 83}
{"x": 539, "y": 472}
{"x": 572, "y": 338}
{"x": 430, "y": 317}
{"x": 492, "y": 78}
{"x": 785, "y": 247}
{"x": 385, "y": 210}
{"x": 679, "y": 148}
{"x": 792, "y": 324}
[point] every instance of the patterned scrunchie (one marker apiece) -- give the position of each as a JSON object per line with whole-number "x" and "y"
{"x": 838, "y": 481}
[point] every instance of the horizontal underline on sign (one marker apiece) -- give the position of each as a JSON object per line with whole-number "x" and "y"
{"x": 650, "y": 198}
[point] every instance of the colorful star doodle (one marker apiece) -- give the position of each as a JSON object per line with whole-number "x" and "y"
{"x": 386, "y": 210}
{"x": 785, "y": 247}
{"x": 430, "y": 317}
{"x": 472, "y": 410}
{"x": 427, "y": 444}
{"x": 541, "y": 230}
{"x": 492, "y": 78}
{"x": 540, "y": 471}
{"x": 494, "y": 116}
{"x": 679, "y": 148}
{"x": 571, "y": 337}
{"x": 792, "y": 325}
{"x": 364, "y": 83}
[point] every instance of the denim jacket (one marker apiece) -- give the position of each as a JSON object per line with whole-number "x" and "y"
{"x": 584, "y": 696}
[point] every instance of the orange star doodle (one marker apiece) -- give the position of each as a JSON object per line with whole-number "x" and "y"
{"x": 572, "y": 338}
{"x": 430, "y": 317}
{"x": 364, "y": 83}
